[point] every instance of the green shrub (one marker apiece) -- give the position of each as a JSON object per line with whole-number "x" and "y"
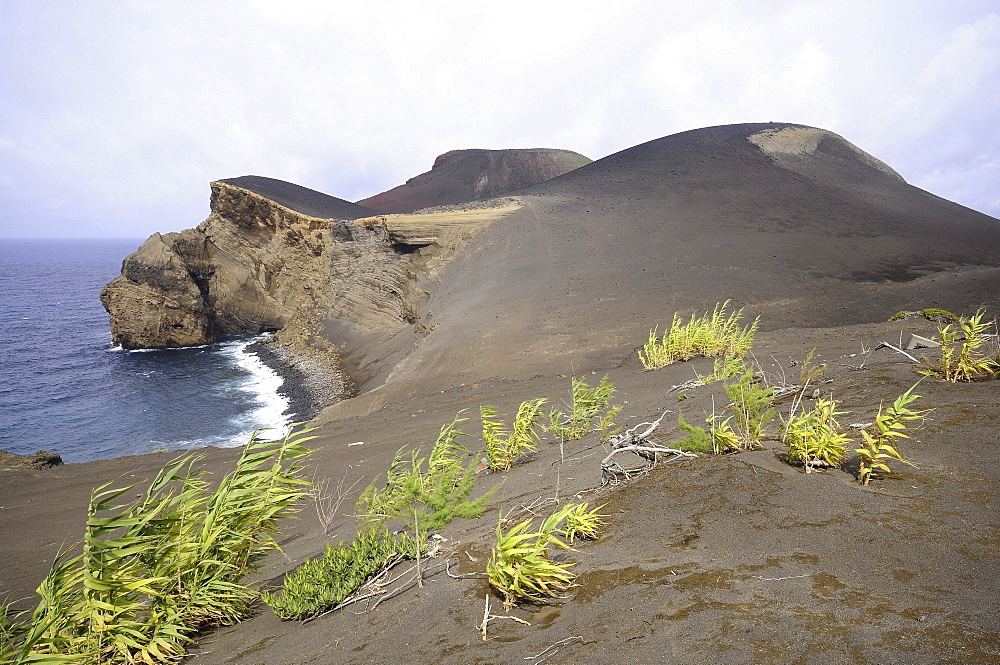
{"x": 712, "y": 334}
{"x": 724, "y": 368}
{"x": 879, "y": 440}
{"x": 153, "y": 572}
{"x": 814, "y": 438}
{"x": 320, "y": 584}
{"x": 587, "y": 405}
{"x": 503, "y": 448}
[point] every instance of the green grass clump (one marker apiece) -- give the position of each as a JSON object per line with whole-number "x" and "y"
{"x": 712, "y": 334}
{"x": 961, "y": 358}
{"x": 814, "y": 438}
{"x": 151, "y": 573}
{"x": 426, "y": 492}
{"x": 724, "y": 368}
{"x": 321, "y": 584}
{"x": 582, "y": 522}
{"x": 588, "y": 403}
{"x": 504, "y": 448}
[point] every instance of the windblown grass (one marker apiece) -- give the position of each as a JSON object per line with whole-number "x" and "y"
{"x": 520, "y": 566}
{"x": 151, "y": 573}
{"x": 880, "y": 441}
{"x": 961, "y": 357}
{"x": 504, "y": 448}
{"x": 717, "y": 333}
{"x": 587, "y": 404}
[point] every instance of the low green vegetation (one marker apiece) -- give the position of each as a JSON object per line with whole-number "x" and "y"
{"x": 751, "y": 406}
{"x": 696, "y": 439}
{"x": 961, "y": 356}
{"x": 814, "y": 438}
{"x": 423, "y": 493}
{"x": 587, "y": 405}
{"x": 724, "y": 368}
{"x": 520, "y": 566}
{"x": 931, "y": 314}
{"x": 321, "y": 584}
{"x": 152, "y": 572}
{"x": 504, "y": 448}
{"x": 426, "y": 492}
{"x": 880, "y": 439}
{"x": 581, "y": 522}
{"x": 715, "y": 333}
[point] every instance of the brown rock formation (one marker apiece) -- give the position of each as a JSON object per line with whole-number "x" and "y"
{"x": 459, "y": 176}
{"x": 256, "y": 264}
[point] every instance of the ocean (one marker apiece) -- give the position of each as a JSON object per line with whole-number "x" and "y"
{"x": 66, "y": 389}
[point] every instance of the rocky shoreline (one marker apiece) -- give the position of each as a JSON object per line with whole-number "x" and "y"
{"x": 311, "y": 379}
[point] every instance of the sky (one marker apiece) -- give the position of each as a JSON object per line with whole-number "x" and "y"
{"x": 116, "y": 116}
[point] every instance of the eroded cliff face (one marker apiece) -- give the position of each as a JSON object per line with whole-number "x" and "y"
{"x": 256, "y": 266}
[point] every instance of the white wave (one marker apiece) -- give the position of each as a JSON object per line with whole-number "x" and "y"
{"x": 263, "y": 384}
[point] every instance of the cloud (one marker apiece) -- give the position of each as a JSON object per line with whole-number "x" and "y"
{"x": 116, "y": 115}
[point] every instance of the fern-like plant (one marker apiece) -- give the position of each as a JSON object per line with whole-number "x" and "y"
{"x": 880, "y": 439}
{"x": 751, "y": 404}
{"x": 696, "y": 439}
{"x": 504, "y": 448}
{"x": 425, "y": 493}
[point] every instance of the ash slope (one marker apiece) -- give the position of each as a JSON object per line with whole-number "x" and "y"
{"x": 459, "y": 176}
{"x": 792, "y": 222}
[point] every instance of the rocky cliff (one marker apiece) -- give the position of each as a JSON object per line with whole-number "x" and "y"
{"x": 474, "y": 175}
{"x": 261, "y": 261}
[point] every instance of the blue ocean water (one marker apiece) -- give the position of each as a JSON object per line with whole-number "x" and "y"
{"x": 66, "y": 389}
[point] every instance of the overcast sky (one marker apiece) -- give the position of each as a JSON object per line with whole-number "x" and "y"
{"x": 115, "y": 116}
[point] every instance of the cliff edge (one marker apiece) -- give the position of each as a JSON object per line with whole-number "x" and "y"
{"x": 258, "y": 264}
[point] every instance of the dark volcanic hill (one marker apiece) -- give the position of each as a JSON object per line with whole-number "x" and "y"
{"x": 791, "y": 222}
{"x": 300, "y": 199}
{"x": 472, "y": 175}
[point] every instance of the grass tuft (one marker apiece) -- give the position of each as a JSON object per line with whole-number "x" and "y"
{"x": 717, "y": 333}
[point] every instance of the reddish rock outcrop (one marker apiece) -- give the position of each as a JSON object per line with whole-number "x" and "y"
{"x": 459, "y": 176}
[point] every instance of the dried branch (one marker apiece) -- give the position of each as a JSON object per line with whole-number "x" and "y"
{"x": 638, "y": 443}
{"x": 487, "y": 617}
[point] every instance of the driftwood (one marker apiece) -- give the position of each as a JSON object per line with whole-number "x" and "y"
{"x": 637, "y": 442}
